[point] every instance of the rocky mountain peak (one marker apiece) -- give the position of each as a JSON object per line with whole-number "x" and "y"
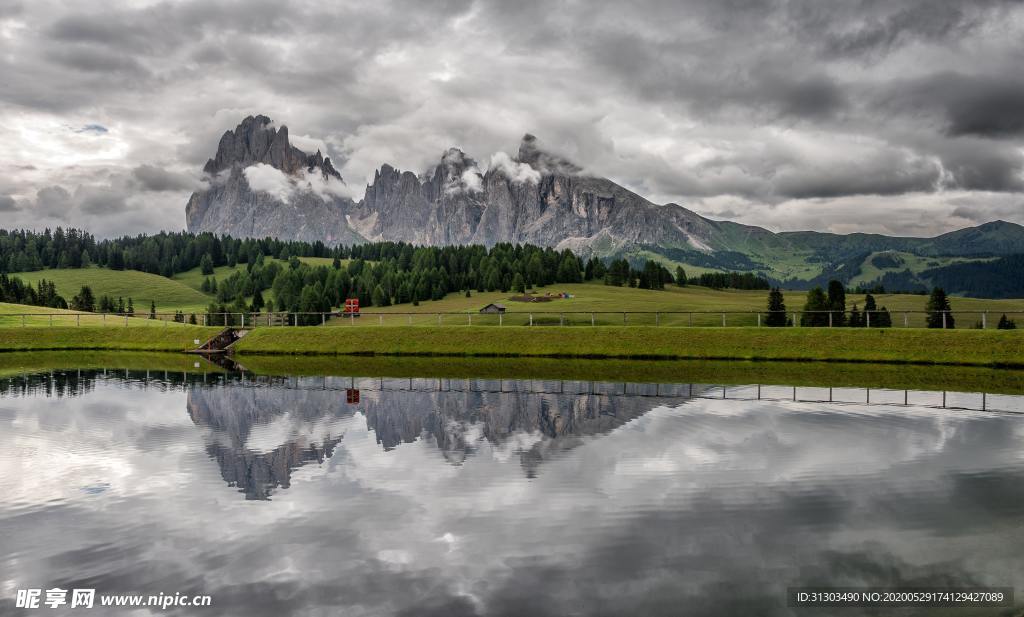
{"x": 531, "y": 153}
{"x": 257, "y": 140}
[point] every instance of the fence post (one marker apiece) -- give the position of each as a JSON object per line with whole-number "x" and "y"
{"x": 104, "y": 319}
{"x": 469, "y": 318}
{"x": 531, "y": 319}
{"x": 23, "y": 320}
{"x": 943, "y": 320}
{"x": 657, "y": 318}
{"x": 906, "y": 324}
{"x": 592, "y": 319}
{"x": 323, "y": 319}
{"x": 380, "y": 319}
{"x": 439, "y": 319}
{"x": 984, "y": 321}
{"x": 78, "y": 319}
{"x": 126, "y": 320}
{"x": 867, "y": 318}
{"x": 561, "y": 319}
{"x": 830, "y": 319}
{"x": 723, "y": 320}
{"x": 51, "y": 320}
{"x": 500, "y": 318}
{"x": 243, "y": 320}
{"x": 410, "y": 318}
{"x": 759, "y": 320}
{"x": 689, "y": 317}
{"x": 623, "y": 319}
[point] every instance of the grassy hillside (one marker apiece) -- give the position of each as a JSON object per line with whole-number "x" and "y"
{"x": 169, "y": 295}
{"x": 10, "y": 315}
{"x": 182, "y": 293}
{"x": 597, "y": 297}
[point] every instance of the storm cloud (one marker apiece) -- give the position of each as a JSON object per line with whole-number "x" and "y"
{"x": 783, "y": 113}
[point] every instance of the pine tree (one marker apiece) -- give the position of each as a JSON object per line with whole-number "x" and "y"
{"x": 519, "y": 283}
{"x": 206, "y": 264}
{"x": 937, "y": 307}
{"x": 681, "y": 278}
{"x": 815, "y": 309}
{"x": 1006, "y": 324}
{"x": 776, "y": 309}
{"x": 837, "y": 303}
{"x": 152, "y": 309}
{"x": 131, "y": 307}
{"x": 84, "y": 300}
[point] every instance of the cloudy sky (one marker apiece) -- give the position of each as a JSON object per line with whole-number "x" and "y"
{"x": 896, "y": 116}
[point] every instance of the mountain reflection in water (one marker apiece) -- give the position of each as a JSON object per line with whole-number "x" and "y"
{"x": 356, "y": 496}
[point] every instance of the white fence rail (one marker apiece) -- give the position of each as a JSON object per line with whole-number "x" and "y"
{"x": 698, "y": 318}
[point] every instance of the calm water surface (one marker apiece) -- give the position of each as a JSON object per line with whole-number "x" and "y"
{"x": 338, "y": 496}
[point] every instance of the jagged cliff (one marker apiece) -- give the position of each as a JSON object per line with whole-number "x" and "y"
{"x": 535, "y": 197}
{"x": 304, "y": 203}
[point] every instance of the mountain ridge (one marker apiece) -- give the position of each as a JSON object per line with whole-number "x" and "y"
{"x": 262, "y": 185}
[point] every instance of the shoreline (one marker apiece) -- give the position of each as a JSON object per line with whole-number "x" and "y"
{"x": 980, "y": 348}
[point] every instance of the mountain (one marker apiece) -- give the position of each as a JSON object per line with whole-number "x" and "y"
{"x": 262, "y": 185}
{"x": 295, "y": 200}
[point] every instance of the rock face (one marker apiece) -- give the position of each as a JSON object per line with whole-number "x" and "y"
{"x": 535, "y": 197}
{"x": 304, "y": 207}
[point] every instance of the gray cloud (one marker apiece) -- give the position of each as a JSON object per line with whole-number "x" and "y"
{"x": 775, "y": 103}
{"x": 7, "y": 204}
{"x": 155, "y": 178}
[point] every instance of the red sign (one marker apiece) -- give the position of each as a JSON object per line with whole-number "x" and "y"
{"x": 352, "y": 396}
{"x": 352, "y": 306}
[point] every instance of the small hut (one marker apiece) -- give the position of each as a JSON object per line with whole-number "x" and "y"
{"x": 493, "y": 308}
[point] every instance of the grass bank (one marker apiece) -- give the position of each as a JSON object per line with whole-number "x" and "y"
{"x": 26, "y": 362}
{"x": 179, "y": 338}
{"x": 951, "y": 347}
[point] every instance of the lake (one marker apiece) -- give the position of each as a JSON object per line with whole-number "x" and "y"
{"x": 332, "y": 495}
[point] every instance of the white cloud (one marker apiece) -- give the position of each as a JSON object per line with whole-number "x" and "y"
{"x": 472, "y": 180}
{"x": 514, "y": 170}
{"x": 268, "y": 179}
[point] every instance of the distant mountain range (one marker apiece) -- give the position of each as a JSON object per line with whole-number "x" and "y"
{"x": 261, "y": 185}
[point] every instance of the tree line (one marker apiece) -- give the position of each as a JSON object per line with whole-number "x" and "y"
{"x": 828, "y": 309}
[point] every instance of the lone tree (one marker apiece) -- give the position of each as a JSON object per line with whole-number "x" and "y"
{"x": 938, "y": 310}
{"x": 1006, "y": 324}
{"x": 152, "y": 309}
{"x": 874, "y": 316}
{"x": 84, "y": 300}
{"x": 776, "y": 309}
{"x": 206, "y": 264}
{"x": 837, "y": 302}
{"x": 131, "y": 307}
{"x": 681, "y": 276}
{"x": 815, "y": 309}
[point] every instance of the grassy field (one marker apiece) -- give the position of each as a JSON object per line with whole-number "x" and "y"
{"x": 179, "y": 338}
{"x": 596, "y": 297}
{"x": 170, "y": 295}
{"x": 950, "y": 347}
{"x": 183, "y": 293}
{"x": 11, "y": 316}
